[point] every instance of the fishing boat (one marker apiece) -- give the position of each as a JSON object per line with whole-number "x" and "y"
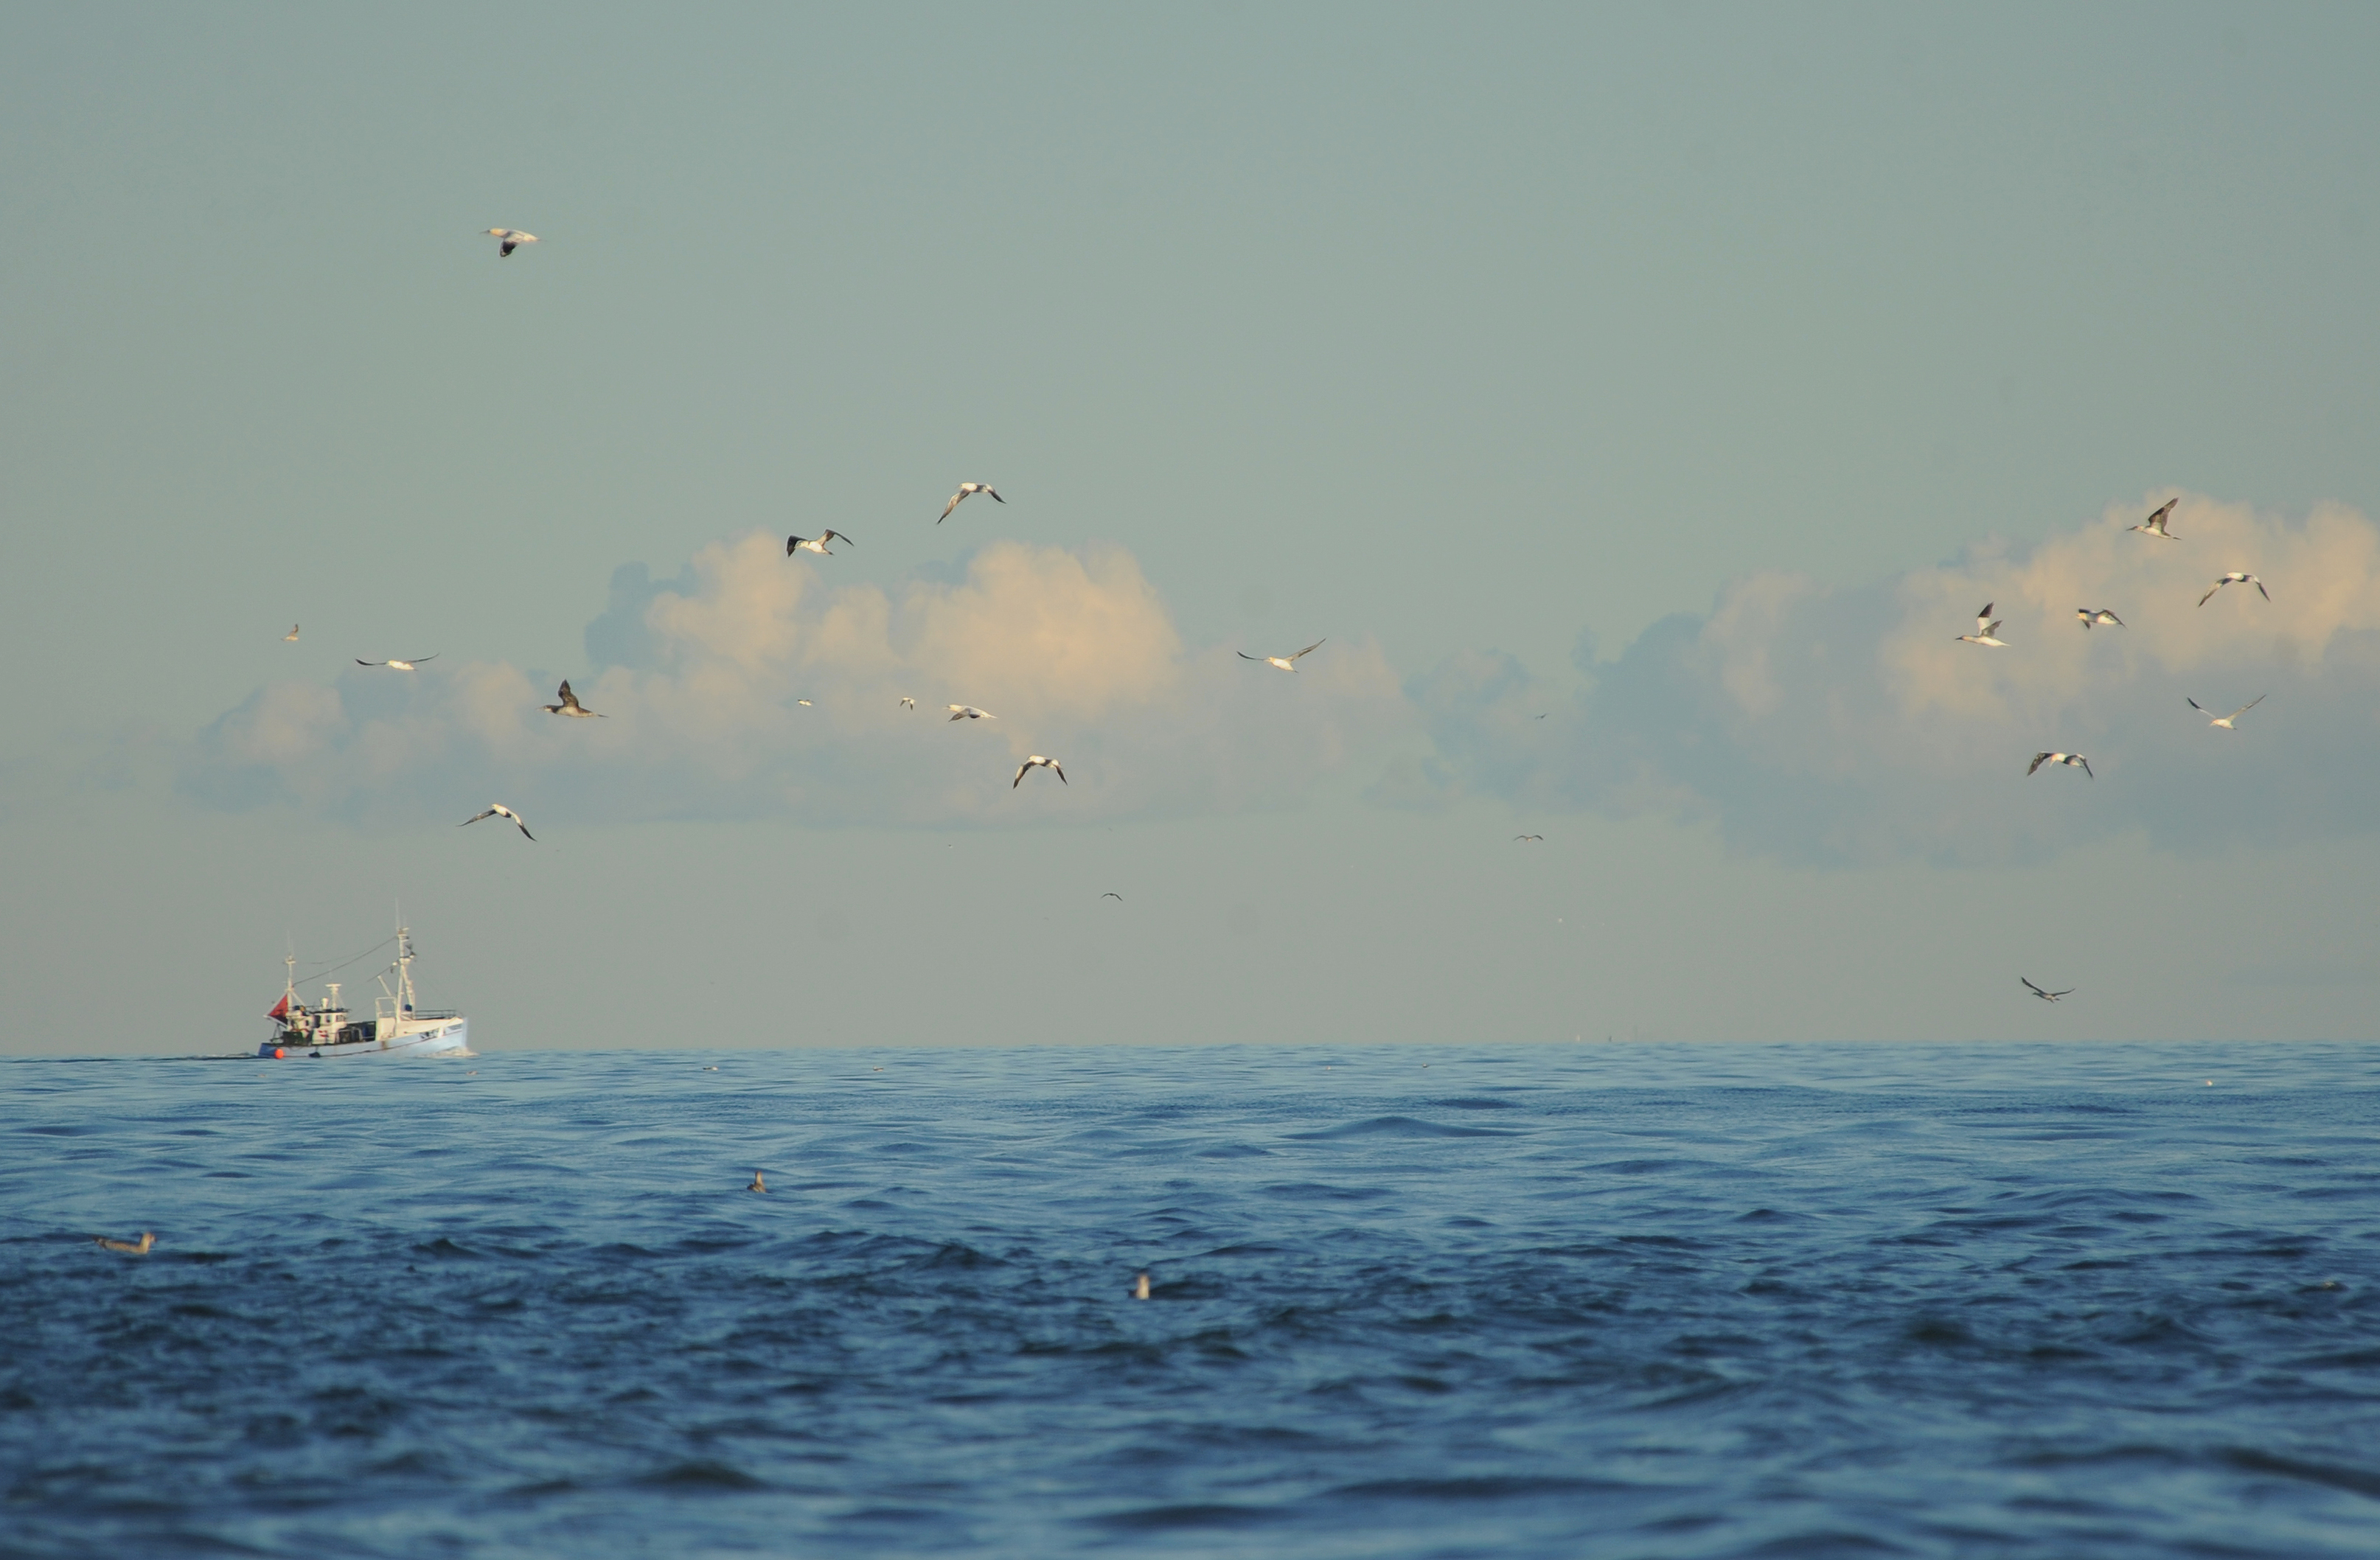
{"x": 397, "y": 1028}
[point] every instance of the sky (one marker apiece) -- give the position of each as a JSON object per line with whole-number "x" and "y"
{"x": 1636, "y": 404}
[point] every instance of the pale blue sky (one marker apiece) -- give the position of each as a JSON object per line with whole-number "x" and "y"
{"x": 1448, "y": 335}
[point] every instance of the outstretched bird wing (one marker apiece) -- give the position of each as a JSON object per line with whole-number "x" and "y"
{"x": 1310, "y": 648}
{"x": 2038, "y": 760}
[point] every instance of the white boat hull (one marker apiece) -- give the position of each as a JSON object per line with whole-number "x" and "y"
{"x": 413, "y": 1037}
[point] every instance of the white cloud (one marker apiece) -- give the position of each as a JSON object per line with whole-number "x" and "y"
{"x": 1074, "y": 652}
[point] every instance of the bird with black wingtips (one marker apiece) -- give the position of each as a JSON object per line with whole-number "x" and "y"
{"x": 2235, "y": 577}
{"x": 397, "y": 665}
{"x": 570, "y": 704}
{"x": 508, "y": 239}
{"x": 2214, "y": 720}
{"x": 2071, "y": 760}
{"x": 2097, "y": 618}
{"x": 970, "y": 712}
{"x": 1287, "y": 663}
{"x": 2154, "y": 524}
{"x": 966, "y": 490}
{"x": 2046, "y": 996}
{"x": 814, "y": 544}
{"x": 1985, "y": 624}
{"x": 498, "y": 810}
{"x": 1036, "y": 761}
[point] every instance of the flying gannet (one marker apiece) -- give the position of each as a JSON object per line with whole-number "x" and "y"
{"x": 2091, "y": 619}
{"x": 970, "y": 712}
{"x": 1110, "y": 894}
{"x": 508, "y": 239}
{"x": 1985, "y": 624}
{"x": 570, "y": 704}
{"x": 2214, "y": 720}
{"x": 1538, "y": 837}
{"x": 2235, "y": 577}
{"x": 909, "y": 703}
{"x": 1036, "y": 761}
{"x": 2154, "y": 524}
{"x": 2047, "y": 996}
{"x": 814, "y": 544}
{"x": 498, "y": 810}
{"x": 2073, "y": 760}
{"x": 397, "y": 665}
{"x": 291, "y": 637}
{"x": 1284, "y": 662}
{"x": 966, "y": 490}
{"x": 138, "y": 1248}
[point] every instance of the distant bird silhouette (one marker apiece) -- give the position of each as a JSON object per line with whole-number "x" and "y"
{"x": 1036, "y": 761}
{"x": 290, "y": 637}
{"x": 908, "y": 703}
{"x": 1284, "y": 662}
{"x": 2154, "y": 524}
{"x": 135, "y": 1248}
{"x": 2236, "y": 577}
{"x": 498, "y": 810}
{"x": 2071, "y": 760}
{"x": 814, "y": 544}
{"x": 966, "y": 490}
{"x": 508, "y": 239}
{"x": 1985, "y": 624}
{"x": 1110, "y": 894}
{"x": 970, "y": 712}
{"x": 1538, "y": 837}
{"x": 570, "y": 704}
{"x": 2224, "y": 720}
{"x": 760, "y": 1182}
{"x": 2051, "y": 996}
{"x": 397, "y": 665}
{"x": 2095, "y": 619}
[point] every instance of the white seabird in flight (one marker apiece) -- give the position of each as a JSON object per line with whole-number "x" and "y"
{"x": 1283, "y": 661}
{"x": 909, "y": 703}
{"x": 1985, "y": 624}
{"x": 1049, "y": 764}
{"x": 2235, "y": 577}
{"x": 498, "y": 810}
{"x": 966, "y": 490}
{"x": 814, "y": 544}
{"x": 2046, "y": 996}
{"x": 2154, "y": 524}
{"x": 2095, "y": 619}
{"x": 2073, "y": 760}
{"x": 570, "y": 704}
{"x": 970, "y": 712}
{"x": 1538, "y": 837}
{"x": 291, "y": 637}
{"x": 508, "y": 239}
{"x": 397, "y": 665}
{"x": 2214, "y": 720}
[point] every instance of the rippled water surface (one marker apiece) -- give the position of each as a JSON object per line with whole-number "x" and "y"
{"x": 1589, "y": 1300}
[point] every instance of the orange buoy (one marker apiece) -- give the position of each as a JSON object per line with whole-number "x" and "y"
{"x": 278, "y": 1053}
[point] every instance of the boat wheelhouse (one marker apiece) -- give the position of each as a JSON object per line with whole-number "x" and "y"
{"x": 397, "y": 1028}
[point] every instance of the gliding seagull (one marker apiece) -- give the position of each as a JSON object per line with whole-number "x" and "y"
{"x": 2046, "y": 996}
{"x": 970, "y": 712}
{"x": 397, "y": 665}
{"x": 2154, "y": 524}
{"x": 2236, "y": 577}
{"x": 2214, "y": 720}
{"x": 1985, "y": 624}
{"x": 1049, "y": 764}
{"x": 2073, "y": 760}
{"x": 507, "y": 240}
{"x": 814, "y": 544}
{"x": 498, "y": 810}
{"x": 570, "y": 704}
{"x": 2093, "y": 619}
{"x": 966, "y": 489}
{"x": 1283, "y": 661}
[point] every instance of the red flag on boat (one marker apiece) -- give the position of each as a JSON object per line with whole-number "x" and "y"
{"x": 280, "y": 1009}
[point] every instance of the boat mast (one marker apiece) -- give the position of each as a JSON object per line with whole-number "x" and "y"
{"x": 403, "y": 972}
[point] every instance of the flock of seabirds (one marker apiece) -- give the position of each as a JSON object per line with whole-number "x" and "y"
{"x": 1987, "y": 634}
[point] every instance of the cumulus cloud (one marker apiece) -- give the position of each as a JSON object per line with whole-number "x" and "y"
{"x": 1842, "y": 724}
{"x": 1075, "y": 651}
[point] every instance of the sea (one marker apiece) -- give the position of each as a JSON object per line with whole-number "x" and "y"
{"x": 1680, "y": 1300}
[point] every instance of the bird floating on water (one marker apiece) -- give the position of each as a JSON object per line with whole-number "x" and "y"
{"x": 136, "y": 1248}
{"x": 966, "y": 490}
{"x": 2046, "y": 996}
{"x": 1985, "y": 624}
{"x": 1140, "y": 1289}
{"x": 508, "y": 239}
{"x": 498, "y": 810}
{"x": 2154, "y": 524}
{"x": 814, "y": 544}
{"x": 2071, "y": 760}
{"x": 290, "y": 637}
{"x": 570, "y": 704}
{"x": 1284, "y": 662}
{"x": 397, "y": 665}
{"x": 1032, "y": 762}
{"x": 2214, "y": 720}
{"x": 760, "y": 1182}
{"x": 2235, "y": 577}
{"x": 970, "y": 712}
{"x": 2095, "y": 619}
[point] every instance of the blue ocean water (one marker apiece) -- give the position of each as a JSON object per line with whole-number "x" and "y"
{"x": 1701, "y": 1301}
